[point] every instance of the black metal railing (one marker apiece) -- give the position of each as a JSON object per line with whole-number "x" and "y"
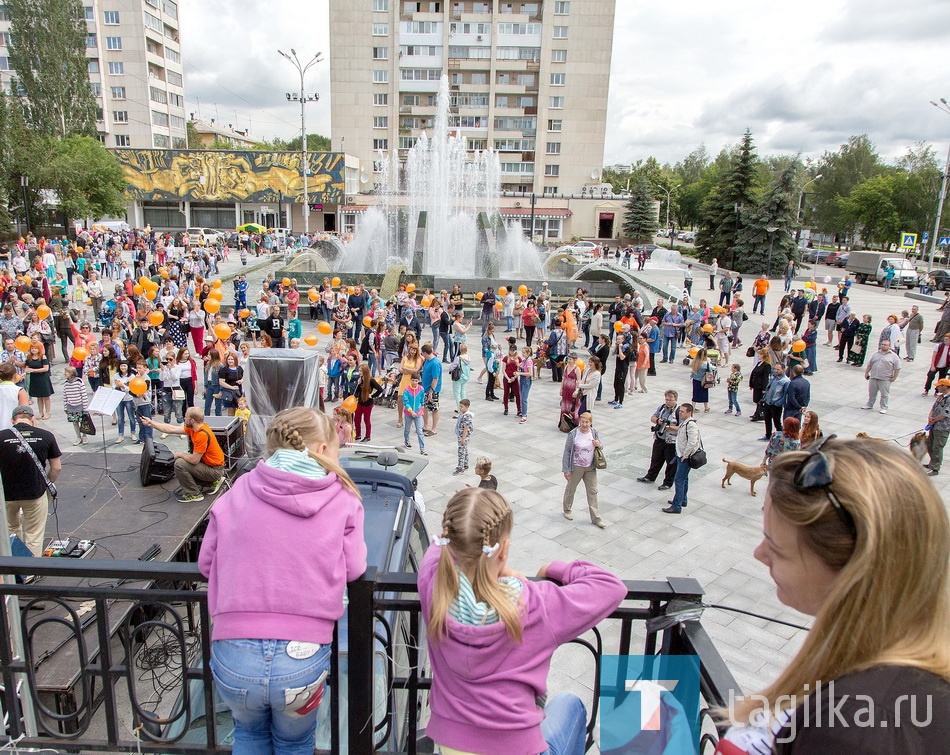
{"x": 101, "y": 623}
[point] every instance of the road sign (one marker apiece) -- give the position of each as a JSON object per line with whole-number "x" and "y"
{"x": 908, "y": 240}
{"x": 943, "y": 241}
{"x": 926, "y": 237}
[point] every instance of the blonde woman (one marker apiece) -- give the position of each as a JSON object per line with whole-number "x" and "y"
{"x": 858, "y": 538}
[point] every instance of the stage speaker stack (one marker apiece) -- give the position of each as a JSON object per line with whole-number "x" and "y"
{"x": 157, "y": 463}
{"x": 274, "y": 380}
{"x": 229, "y": 432}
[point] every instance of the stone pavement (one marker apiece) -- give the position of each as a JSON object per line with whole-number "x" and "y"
{"x": 712, "y": 541}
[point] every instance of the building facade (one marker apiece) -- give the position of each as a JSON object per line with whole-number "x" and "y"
{"x": 527, "y": 79}
{"x": 135, "y": 71}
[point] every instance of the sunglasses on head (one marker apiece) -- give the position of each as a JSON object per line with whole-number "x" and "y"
{"x": 815, "y": 473}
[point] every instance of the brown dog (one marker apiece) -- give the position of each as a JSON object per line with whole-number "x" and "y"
{"x": 752, "y": 474}
{"x": 918, "y": 445}
{"x": 865, "y": 436}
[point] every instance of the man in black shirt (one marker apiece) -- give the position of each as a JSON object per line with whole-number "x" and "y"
{"x": 24, "y": 488}
{"x": 273, "y": 326}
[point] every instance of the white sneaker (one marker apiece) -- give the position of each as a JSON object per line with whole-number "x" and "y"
{"x": 165, "y": 435}
{"x": 867, "y": 407}
{"x": 77, "y": 442}
{"x": 120, "y": 439}
{"x": 883, "y": 411}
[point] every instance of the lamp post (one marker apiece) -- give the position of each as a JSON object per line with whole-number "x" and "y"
{"x": 24, "y": 185}
{"x": 943, "y": 193}
{"x": 303, "y": 98}
{"x": 669, "y": 193}
{"x": 801, "y": 208}
{"x": 771, "y": 230}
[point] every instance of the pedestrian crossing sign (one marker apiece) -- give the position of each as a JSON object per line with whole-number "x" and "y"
{"x": 908, "y": 240}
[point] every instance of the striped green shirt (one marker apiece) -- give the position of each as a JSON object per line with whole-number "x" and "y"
{"x": 465, "y": 609}
{"x": 296, "y": 462}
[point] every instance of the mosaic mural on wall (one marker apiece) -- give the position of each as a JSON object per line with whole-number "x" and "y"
{"x": 223, "y": 176}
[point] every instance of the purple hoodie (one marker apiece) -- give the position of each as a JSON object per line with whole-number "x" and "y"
{"x": 278, "y": 552}
{"x": 484, "y": 685}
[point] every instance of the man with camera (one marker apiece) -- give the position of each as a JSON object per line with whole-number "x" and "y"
{"x": 664, "y": 427}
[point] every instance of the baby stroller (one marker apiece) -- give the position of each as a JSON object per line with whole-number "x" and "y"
{"x": 390, "y": 383}
{"x": 107, "y": 314}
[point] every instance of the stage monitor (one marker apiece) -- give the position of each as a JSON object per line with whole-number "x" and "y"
{"x": 157, "y": 463}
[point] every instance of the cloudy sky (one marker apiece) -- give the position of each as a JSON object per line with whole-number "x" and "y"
{"x": 803, "y": 76}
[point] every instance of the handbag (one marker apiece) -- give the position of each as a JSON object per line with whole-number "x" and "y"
{"x": 86, "y": 425}
{"x": 178, "y": 394}
{"x": 600, "y": 461}
{"x": 698, "y": 459}
{"x": 456, "y": 373}
{"x": 709, "y": 377}
{"x": 750, "y": 352}
{"x": 566, "y": 423}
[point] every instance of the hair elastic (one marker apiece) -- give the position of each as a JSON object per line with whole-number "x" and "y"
{"x": 440, "y": 542}
{"x": 490, "y": 550}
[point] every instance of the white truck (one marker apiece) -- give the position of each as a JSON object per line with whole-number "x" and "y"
{"x": 870, "y": 266}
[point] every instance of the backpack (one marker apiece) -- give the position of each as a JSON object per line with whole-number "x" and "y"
{"x": 709, "y": 378}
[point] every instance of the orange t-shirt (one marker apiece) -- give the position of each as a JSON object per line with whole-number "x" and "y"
{"x": 203, "y": 442}
{"x": 643, "y": 357}
{"x": 760, "y": 287}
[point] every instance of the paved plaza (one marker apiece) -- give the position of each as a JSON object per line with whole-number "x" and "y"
{"x": 712, "y": 540}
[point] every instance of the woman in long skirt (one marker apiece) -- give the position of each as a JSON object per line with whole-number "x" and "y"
{"x": 858, "y": 352}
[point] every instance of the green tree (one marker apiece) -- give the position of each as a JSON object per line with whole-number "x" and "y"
{"x": 870, "y": 208}
{"x": 194, "y": 138}
{"x": 48, "y": 53}
{"x": 85, "y": 176}
{"x": 776, "y": 211}
{"x": 315, "y": 143}
{"x": 840, "y": 172}
{"x": 720, "y": 215}
{"x": 640, "y": 223}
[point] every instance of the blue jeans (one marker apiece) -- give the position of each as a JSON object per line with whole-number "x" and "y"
{"x": 209, "y": 398}
{"x": 680, "y": 484}
{"x": 758, "y": 303}
{"x": 371, "y": 362}
{"x": 564, "y": 727}
{"x": 448, "y": 353}
{"x": 145, "y": 410}
{"x": 265, "y": 688}
{"x": 811, "y": 355}
{"x": 417, "y": 423}
{"x": 525, "y": 385}
{"x": 126, "y": 408}
{"x": 509, "y": 322}
{"x": 669, "y": 348}
{"x": 733, "y": 400}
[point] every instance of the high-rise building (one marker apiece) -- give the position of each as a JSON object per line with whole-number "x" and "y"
{"x": 528, "y": 79}
{"x": 135, "y": 71}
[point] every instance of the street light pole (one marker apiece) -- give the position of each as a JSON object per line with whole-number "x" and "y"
{"x": 943, "y": 193}
{"x": 771, "y": 230}
{"x": 801, "y": 208}
{"x": 669, "y": 194}
{"x": 304, "y": 98}
{"x": 24, "y": 185}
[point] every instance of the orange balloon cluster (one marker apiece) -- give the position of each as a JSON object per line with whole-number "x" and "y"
{"x": 618, "y": 326}
{"x": 138, "y": 289}
{"x": 479, "y": 296}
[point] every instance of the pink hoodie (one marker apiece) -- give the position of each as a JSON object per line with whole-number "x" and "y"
{"x": 278, "y": 552}
{"x": 484, "y": 685}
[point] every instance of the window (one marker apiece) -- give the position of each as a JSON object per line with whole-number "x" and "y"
{"x": 380, "y": 121}
{"x": 560, "y": 32}
{"x": 421, "y": 74}
{"x": 562, "y": 8}
{"x": 110, "y": 17}
{"x": 559, "y": 56}
{"x": 174, "y": 79}
{"x": 514, "y": 123}
{"x": 423, "y": 50}
{"x": 92, "y": 66}
{"x": 157, "y": 95}
{"x": 88, "y": 13}
{"x": 380, "y": 53}
{"x": 176, "y": 99}
{"x": 5, "y": 38}
{"x": 113, "y": 43}
{"x": 153, "y": 22}
{"x": 479, "y": 79}
{"x": 176, "y": 121}
{"x": 3, "y": 14}
{"x": 4, "y": 63}
{"x": 558, "y": 79}
{"x": 477, "y": 145}
{"x": 380, "y": 30}
{"x": 161, "y": 140}
{"x": 120, "y": 116}
{"x": 153, "y": 3}
{"x": 422, "y": 27}
{"x": 179, "y": 142}
{"x": 90, "y": 40}
{"x": 172, "y": 56}
{"x": 170, "y": 8}
{"x": 468, "y": 121}
{"x": 160, "y": 119}
{"x": 123, "y": 140}
{"x": 469, "y": 28}
{"x": 554, "y": 126}
{"x": 96, "y": 89}
{"x": 501, "y": 100}
{"x": 519, "y": 168}
{"x": 380, "y": 144}
{"x": 481, "y": 7}
{"x": 381, "y": 5}
{"x": 514, "y": 145}
{"x": 117, "y": 68}
{"x": 552, "y": 170}
{"x": 410, "y": 99}
{"x": 556, "y": 103}
{"x": 405, "y": 142}
{"x": 469, "y": 99}
{"x": 549, "y": 190}
{"x": 381, "y": 99}
{"x": 520, "y": 29}
{"x": 525, "y": 80}
{"x": 118, "y": 93}
{"x": 380, "y": 77}
{"x": 553, "y": 148}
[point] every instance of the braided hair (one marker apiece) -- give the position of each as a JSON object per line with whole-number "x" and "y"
{"x": 299, "y": 429}
{"x": 474, "y": 519}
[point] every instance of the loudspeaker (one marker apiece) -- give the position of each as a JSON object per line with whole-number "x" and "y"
{"x": 229, "y": 432}
{"x": 157, "y": 464}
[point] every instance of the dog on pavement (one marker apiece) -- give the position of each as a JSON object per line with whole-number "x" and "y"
{"x": 918, "y": 446}
{"x": 752, "y": 474}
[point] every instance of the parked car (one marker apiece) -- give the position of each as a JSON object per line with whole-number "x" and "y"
{"x": 841, "y": 260}
{"x": 820, "y": 256}
{"x": 687, "y": 237}
{"x": 941, "y": 279}
{"x": 211, "y": 236}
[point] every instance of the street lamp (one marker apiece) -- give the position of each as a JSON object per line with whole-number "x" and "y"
{"x": 943, "y": 192}
{"x": 24, "y": 185}
{"x": 669, "y": 193}
{"x": 772, "y": 230}
{"x": 303, "y": 98}
{"x": 801, "y": 208}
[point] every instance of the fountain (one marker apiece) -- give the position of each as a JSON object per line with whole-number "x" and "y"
{"x": 439, "y": 215}
{"x": 665, "y": 259}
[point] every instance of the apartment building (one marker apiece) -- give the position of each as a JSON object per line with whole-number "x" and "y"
{"x": 135, "y": 71}
{"x": 528, "y": 79}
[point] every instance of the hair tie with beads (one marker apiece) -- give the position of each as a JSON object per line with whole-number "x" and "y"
{"x": 490, "y": 550}
{"x": 440, "y": 542}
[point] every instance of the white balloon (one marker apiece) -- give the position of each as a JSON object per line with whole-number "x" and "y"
{"x": 827, "y": 279}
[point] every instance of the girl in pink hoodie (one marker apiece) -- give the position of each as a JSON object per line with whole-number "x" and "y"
{"x": 491, "y": 635}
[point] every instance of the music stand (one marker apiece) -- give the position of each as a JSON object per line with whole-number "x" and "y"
{"x": 105, "y": 401}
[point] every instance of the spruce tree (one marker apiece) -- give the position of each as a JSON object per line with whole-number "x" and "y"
{"x": 776, "y": 210}
{"x": 640, "y": 223}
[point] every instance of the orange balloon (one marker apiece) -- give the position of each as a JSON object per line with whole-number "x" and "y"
{"x": 350, "y": 290}
{"x": 137, "y": 386}
{"x": 426, "y": 301}
{"x": 22, "y": 343}
{"x": 156, "y": 318}
{"x": 502, "y": 290}
{"x": 79, "y": 353}
{"x": 139, "y": 289}
{"x": 212, "y": 305}
{"x": 349, "y": 403}
{"x": 479, "y": 295}
{"x": 150, "y": 295}
{"x": 216, "y": 284}
{"x": 498, "y": 306}
{"x": 286, "y": 282}
{"x": 313, "y": 294}
{"x": 798, "y": 346}
{"x": 618, "y": 326}
{"x": 27, "y": 280}
{"x": 245, "y": 313}
{"x": 150, "y": 285}
{"x": 523, "y": 290}
{"x": 310, "y": 340}
{"x": 694, "y": 351}
{"x": 368, "y": 321}
{"x": 144, "y": 281}
{"x": 325, "y": 328}
{"x": 707, "y": 328}
{"x": 580, "y": 364}
{"x": 222, "y": 331}
{"x": 335, "y": 282}
{"x": 216, "y": 293}
{"x": 410, "y": 287}
{"x": 43, "y": 311}
{"x": 163, "y": 273}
